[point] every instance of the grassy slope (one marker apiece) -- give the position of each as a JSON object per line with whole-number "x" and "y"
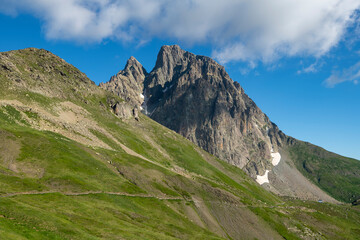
{"x": 205, "y": 199}
{"x": 337, "y": 175}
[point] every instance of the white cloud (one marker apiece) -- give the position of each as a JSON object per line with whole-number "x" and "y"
{"x": 289, "y": 28}
{"x": 88, "y": 20}
{"x": 243, "y": 30}
{"x": 351, "y": 74}
{"x": 312, "y": 68}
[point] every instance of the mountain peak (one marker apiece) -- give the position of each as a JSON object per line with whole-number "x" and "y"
{"x": 40, "y": 71}
{"x": 133, "y": 62}
{"x": 169, "y": 56}
{"x": 174, "y": 47}
{"x": 194, "y": 96}
{"x": 135, "y": 69}
{"x": 128, "y": 83}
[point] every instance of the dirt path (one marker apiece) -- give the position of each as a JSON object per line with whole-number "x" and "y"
{"x": 195, "y": 200}
{"x": 199, "y": 203}
{"x": 92, "y": 192}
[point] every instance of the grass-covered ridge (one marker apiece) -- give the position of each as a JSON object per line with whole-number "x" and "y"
{"x": 337, "y": 175}
{"x": 71, "y": 169}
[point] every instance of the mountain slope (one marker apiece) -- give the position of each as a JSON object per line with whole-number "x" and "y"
{"x": 194, "y": 96}
{"x": 337, "y": 175}
{"x": 70, "y": 168}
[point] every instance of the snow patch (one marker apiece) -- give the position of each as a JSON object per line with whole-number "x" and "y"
{"x": 263, "y": 179}
{"x": 275, "y": 158}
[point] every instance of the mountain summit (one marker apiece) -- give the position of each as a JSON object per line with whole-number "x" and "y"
{"x": 128, "y": 83}
{"x": 194, "y": 96}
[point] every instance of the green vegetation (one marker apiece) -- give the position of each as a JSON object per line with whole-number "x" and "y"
{"x": 10, "y": 114}
{"x": 98, "y": 216}
{"x": 56, "y": 182}
{"x": 337, "y": 175}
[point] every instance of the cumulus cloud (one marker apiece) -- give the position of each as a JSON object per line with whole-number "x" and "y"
{"x": 351, "y": 74}
{"x": 290, "y": 28}
{"x": 244, "y": 30}
{"x": 88, "y": 20}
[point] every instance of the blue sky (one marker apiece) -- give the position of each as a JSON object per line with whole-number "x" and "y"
{"x": 300, "y": 62}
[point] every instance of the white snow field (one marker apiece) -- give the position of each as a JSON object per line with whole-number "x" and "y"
{"x": 275, "y": 158}
{"x": 263, "y": 179}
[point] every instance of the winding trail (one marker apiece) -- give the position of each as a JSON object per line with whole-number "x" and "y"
{"x": 90, "y": 193}
{"x": 194, "y": 200}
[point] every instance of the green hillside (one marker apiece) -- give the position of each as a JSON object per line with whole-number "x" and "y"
{"x": 337, "y": 175}
{"x": 71, "y": 169}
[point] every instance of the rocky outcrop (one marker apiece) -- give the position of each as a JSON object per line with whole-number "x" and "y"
{"x": 122, "y": 110}
{"x": 128, "y": 83}
{"x": 194, "y": 96}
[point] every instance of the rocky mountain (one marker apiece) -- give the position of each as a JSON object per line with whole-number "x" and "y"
{"x": 128, "y": 83}
{"x": 72, "y": 166}
{"x": 194, "y": 96}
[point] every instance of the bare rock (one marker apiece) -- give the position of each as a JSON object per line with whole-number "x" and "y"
{"x": 128, "y": 83}
{"x": 194, "y": 96}
{"x": 123, "y": 110}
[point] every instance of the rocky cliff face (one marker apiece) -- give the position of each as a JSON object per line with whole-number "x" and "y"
{"x": 128, "y": 83}
{"x": 194, "y": 96}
